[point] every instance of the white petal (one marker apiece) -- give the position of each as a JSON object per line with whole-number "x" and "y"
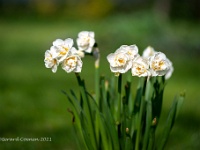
{"x": 73, "y": 51}
{"x": 169, "y": 73}
{"x": 160, "y": 55}
{"x": 110, "y": 57}
{"x": 68, "y": 42}
{"x": 80, "y": 53}
{"x": 48, "y": 65}
{"x": 54, "y": 68}
{"x": 47, "y": 53}
{"x": 148, "y": 52}
{"x": 83, "y": 33}
{"x": 153, "y": 73}
{"x": 91, "y": 34}
{"x": 92, "y": 41}
{"x": 88, "y": 50}
{"x": 78, "y": 69}
{"x": 58, "y": 42}
{"x": 114, "y": 69}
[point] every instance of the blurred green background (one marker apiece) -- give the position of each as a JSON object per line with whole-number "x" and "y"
{"x": 31, "y": 102}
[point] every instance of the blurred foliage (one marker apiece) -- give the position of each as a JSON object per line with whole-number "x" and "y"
{"x": 179, "y": 9}
{"x": 31, "y": 102}
{"x": 185, "y": 9}
{"x": 91, "y": 8}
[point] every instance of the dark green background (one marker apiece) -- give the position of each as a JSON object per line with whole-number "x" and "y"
{"x": 31, "y": 102}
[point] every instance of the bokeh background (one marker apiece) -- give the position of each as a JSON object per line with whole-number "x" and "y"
{"x": 31, "y": 102}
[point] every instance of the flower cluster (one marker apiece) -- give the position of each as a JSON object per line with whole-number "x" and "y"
{"x": 62, "y": 52}
{"x": 151, "y": 63}
{"x": 114, "y": 106}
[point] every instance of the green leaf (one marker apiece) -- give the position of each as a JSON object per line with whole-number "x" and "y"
{"x": 105, "y": 135}
{"x": 180, "y": 102}
{"x": 151, "y": 138}
{"x": 171, "y": 119}
{"x": 148, "y": 125}
{"x": 158, "y": 86}
{"x": 106, "y": 111}
{"x": 128, "y": 143}
{"x": 148, "y": 98}
{"x": 74, "y": 102}
{"x": 139, "y": 94}
{"x": 88, "y": 130}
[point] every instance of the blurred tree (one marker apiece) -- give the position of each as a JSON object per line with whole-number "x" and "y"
{"x": 162, "y": 7}
{"x": 185, "y": 9}
{"x": 89, "y": 8}
{"x": 14, "y": 7}
{"x": 45, "y": 7}
{"x": 131, "y": 5}
{"x": 178, "y": 9}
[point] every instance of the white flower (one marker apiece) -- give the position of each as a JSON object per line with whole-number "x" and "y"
{"x": 61, "y": 48}
{"x": 51, "y": 62}
{"x": 72, "y": 63}
{"x": 159, "y": 64}
{"x": 170, "y": 71}
{"x": 85, "y": 41}
{"x": 119, "y": 62}
{"x": 148, "y": 52}
{"x": 131, "y": 50}
{"x": 140, "y": 67}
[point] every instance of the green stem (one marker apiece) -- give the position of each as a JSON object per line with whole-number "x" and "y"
{"x": 88, "y": 114}
{"x": 119, "y": 98}
{"x": 97, "y": 98}
{"x": 142, "y": 106}
{"x": 96, "y": 55}
{"x": 97, "y": 85}
{"x": 148, "y": 99}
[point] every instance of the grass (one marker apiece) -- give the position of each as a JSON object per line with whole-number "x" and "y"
{"x": 31, "y": 102}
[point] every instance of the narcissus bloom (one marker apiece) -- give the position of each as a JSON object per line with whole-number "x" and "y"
{"x": 131, "y": 51}
{"x": 61, "y": 48}
{"x": 148, "y": 52}
{"x": 119, "y": 62}
{"x": 140, "y": 67}
{"x": 51, "y": 62}
{"x": 85, "y": 41}
{"x": 72, "y": 63}
{"x": 159, "y": 64}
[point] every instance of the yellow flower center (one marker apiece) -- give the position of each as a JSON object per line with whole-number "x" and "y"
{"x": 64, "y": 52}
{"x": 71, "y": 61}
{"x": 49, "y": 58}
{"x": 140, "y": 69}
{"x": 157, "y": 65}
{"x": 54, "y": 61}
{"x": 129, "y": 52}
{"x": 85, "y": 41}
{"x": 121, "y": 61}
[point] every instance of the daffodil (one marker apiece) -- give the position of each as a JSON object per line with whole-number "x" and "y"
{"x": 51, "y": 62}
{"x": 72, "y": 63}
{"x": 61, "y": 48}
{"x": 148, "y": 52}
{"x": 119, "y": 62}
{"x": 85, "y": 41}
{"x": 131, "y": 51}
{"x": 159, "y": 64}
{"x": 140, "y": 67}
